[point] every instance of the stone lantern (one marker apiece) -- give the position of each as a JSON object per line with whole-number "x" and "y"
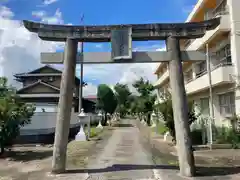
{"x": 81, "y": 136}
{"x": 100, "y": 120}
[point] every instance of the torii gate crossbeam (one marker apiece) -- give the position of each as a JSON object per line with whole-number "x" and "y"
{"x": 172, "y": 33}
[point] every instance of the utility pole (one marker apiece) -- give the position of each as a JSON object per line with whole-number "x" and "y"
{"x": 80, "y": 102}
{"x": 211, "y": 119}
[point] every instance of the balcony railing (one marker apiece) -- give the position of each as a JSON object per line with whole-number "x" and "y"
{"x": 221, "y": 9}
{"x": 203, "y": 72}
{"x": 187, "y": 79}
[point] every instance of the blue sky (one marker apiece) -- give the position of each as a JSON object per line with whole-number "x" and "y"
{"x": 105, "y": 12}
{"x": 95, "y": 13}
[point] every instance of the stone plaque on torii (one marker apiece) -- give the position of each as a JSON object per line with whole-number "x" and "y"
{"x": 121, "y": 37}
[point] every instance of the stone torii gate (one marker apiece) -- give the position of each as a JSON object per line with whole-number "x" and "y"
{"x": 121, "y": 37}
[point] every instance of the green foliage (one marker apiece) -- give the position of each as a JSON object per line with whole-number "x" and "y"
{"x": 93, "y": 131}
{"x": 144, "y": 88}
{"x": 122, "y": 93}
{"x": 161, "y": 128}
{"x": 167, "y": 111}
{"x": 107, "y": 101}
{"x": 13, "y": 114}
{"x": 143, "y": 103}
{"x": 226, "y": 135}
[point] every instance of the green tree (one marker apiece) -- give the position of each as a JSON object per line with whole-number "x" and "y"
{"x": 167, "y": 111}
{"x": 107, "y": 100}
{"x": 146, "y": 99}
{"x": 122, "y": 93}
{"x": 13, "y": 114}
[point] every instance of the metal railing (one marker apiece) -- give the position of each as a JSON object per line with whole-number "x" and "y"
{"x": 221, "y": 9}
{"x": 203, "y": 72}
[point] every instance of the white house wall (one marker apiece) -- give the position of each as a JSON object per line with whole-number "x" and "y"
{"x": 45, "y": 122}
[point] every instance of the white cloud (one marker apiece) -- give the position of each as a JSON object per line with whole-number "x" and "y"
{"x": 55, "y": 19}
{"x": 48, "y": 2}
{"x": 124, "y": 73}
{"x": 90, "y": 89}
{"x": 19, "y": 49}
{"x": 39, "y": 14}
{"x": 161, "y": 49}
{"x": 6, "y": 12}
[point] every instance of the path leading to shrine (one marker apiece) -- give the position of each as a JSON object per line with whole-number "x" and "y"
{"x": 126, "y": 157}
{"x": 123, "y": 158}
{"x": 122, "y": 154}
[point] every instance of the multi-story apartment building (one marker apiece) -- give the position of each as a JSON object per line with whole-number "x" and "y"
{"x": 224, "y": 49}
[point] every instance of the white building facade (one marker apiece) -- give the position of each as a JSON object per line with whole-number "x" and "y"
{"x": 224, "y": 51}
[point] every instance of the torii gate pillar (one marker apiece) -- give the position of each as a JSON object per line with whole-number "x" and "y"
{"x": 64, "y": 107}
{"x": 180, "y": 109}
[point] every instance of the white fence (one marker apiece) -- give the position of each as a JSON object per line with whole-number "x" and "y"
{"x": 45, "y": 122}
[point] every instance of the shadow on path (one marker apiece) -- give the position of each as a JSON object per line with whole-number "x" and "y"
{"x": 201, "y": 171}
{"x": 123, "y": 125}
{"x": 26, "y": 156}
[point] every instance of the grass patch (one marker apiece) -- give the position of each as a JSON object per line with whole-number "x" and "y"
{"x": 93, "y": 131}
{"x": 161, "y": 128}
{"x": 80, "y": 152}
{"x": 77, "y": 153}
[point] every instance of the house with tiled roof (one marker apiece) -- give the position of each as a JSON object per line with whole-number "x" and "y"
{"x": 41, "y": 87}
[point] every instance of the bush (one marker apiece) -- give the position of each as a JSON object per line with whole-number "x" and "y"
{"x": 13, "y": 114}
{"x": 226, "y": 135}
{"x": 93, "y": 131}
{"x": 161, "y": 128}
{"x": 167, "y": 111}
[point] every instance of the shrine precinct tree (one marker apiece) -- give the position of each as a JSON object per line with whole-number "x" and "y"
{"x": 13, "y": 114}
{"x": 106, "y": 100}
{"x": 146, "y": 98}
{"x": 123, "y": 94}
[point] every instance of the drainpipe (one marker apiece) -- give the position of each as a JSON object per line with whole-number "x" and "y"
{"x": 211, "y": 119}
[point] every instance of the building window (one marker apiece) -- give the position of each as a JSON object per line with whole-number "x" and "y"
{"x": 188, "y": 76}
{"x": 227, "y": 103}
{"x": 223, "y": 56}
{"x": 204, "y": 106}
{"x": 202, "y": 68}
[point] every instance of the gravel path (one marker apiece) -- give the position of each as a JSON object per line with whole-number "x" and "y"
{"x": 123, "y": 158}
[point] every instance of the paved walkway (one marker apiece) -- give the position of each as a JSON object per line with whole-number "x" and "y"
{"x": 123, "y": 158}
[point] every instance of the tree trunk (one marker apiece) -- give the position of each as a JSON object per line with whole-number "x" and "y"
{"x": 180, "y": 110}
{"x": 148, "y": 119}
